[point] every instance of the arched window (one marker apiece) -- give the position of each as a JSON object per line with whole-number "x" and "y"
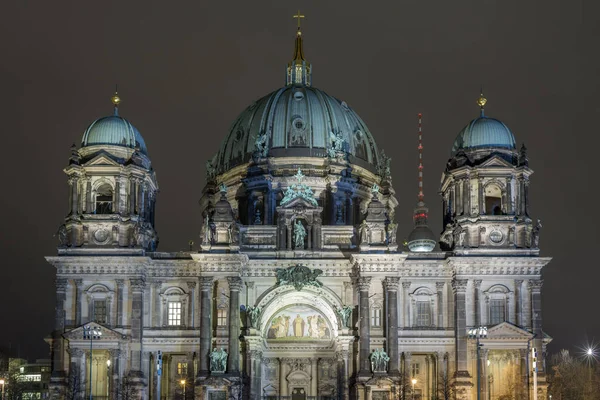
{"x": 497, "y": 303}
{"x": 493, "y": 200}
{"x": 174, "y": 301}
{"x": 104, "y": 199}
{"x": 423, "y": 301}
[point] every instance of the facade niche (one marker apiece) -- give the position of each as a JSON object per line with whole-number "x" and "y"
{"x": 493, "y": 200}
{"x": 104, "y": 199}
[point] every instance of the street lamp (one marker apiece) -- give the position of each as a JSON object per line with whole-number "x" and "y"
{"x": 590, "y": 354}
{"x": 477, "y": 334}
{"x": 2, "y": 383}
{"x": 108, "y": 377}
{"x": 414, "y": 382}
{"x": 91, "y": 333}
{"x": 183, "y": 386}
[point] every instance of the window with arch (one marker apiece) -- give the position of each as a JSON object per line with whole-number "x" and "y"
{"x": 376, "y": 317}
{"x": 99, "y": 299}
{"x": 104, "y": 199}
{"x": 493, "y": 199}
{"x": 497, "y": 298}
{"x": 174, "y": 301}
{"x": 423, "y": 301}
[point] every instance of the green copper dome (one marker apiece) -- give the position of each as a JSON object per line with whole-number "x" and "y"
{"x": 297, "y": 120}
{"x": 114, "y": 131}
{"x": 484, "y": 132}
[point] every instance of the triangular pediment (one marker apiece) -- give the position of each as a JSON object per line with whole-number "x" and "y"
{"x": 506, "y": 330}
{"x": 108, "y": 334}
{"x": 102, "y": 159}
{"x": 299, "y": 202}
{"x": 496, "y": 161}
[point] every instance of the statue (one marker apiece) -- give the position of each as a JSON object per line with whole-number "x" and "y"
{"x": 233, "y": 231}
{"x": 363, "y": 233}
{"x": 299, "y": 235}
{"x": 206, "y": 233}
{"x": 298, "y": 276}
{"x": 383, "y": 167}
{"x": 139, "y": 235}
{"x": 253, "y": 314}
{"x": 460, "y": 234}
{"x": 260, "y": 144}
{"x": 391, "y": 233}
{"x": 447, "y": 239}
{"x": 210, "y": 170}
{"x": 345, "y": 312}
{"x": 375, "y": 189}
{"x": 63, "y": 236}
{"x": 218, "y": 360}
{"x": 379, "y": 360}
{"x": 337, "y": 144}
{"x": 535, "y": 235}
{"x": 223, "y": 188}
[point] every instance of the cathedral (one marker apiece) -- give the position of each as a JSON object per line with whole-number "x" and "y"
{"x": 298, "y": 289}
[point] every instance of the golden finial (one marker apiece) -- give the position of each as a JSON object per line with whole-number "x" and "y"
{"x": 481, "y": 101}
{"x": 116, "y": 100}
{"x": 298, "y": 16}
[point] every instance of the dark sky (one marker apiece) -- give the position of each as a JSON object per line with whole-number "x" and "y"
{"x": 186, "y": 69}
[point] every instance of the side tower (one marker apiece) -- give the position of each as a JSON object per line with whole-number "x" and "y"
{"x": 494, "y": 255}
{"x": 485, "y": 189}
{"x": 112, "y": 188}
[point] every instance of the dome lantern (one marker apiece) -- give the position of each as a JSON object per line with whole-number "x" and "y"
{"x": 299, "y": 71}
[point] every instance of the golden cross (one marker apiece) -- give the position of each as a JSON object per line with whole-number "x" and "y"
{"x": 298, "y": 16}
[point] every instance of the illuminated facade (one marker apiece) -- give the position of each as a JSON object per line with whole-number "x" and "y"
{"x": 299, "y": 289}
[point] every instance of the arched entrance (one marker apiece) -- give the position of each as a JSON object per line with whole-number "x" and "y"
{"x": 299, "y": 342}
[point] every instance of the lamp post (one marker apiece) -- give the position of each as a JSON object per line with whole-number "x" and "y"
{"x": 590, "y": 355}
{"x": 414, "y": 382}
{"x": 477, "y": 334}
{"x": 183, "y": 386}
{"x": 2, "y": 383}
{"x": 108, "y": 377}
{"x": 91, "y": 333}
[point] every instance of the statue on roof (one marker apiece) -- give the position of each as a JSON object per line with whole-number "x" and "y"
{"x": 299, "y": 235}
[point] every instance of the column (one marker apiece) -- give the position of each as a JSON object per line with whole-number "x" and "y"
{"x": 75, "y": 195}
{"x": 459, "y": 287}
{"x": 483, "y": 353}
{"x": 509, "y": 200}
{"x": 407, "y": 365}
{"x": 480, "y": 197}
{"x": 467, "y": 196}
{"x": 116, "y": 196}
{"x": 518, "y": 302}
{"x": 405, "y": 288}
{"x": 477, "y": 302}
{"x": 457, "y": 201}
{"x": 77, "y": 368}
{"x": 439, "y": 286}
{"x": 255, "y": 373}
{"x": 521, "y": 196}
{"x": 342, "y": 358}
{"x": 192, "y": 305}
{"x": 289, "y": 236}
{"x": 309, "y": 237}
{"x": 58, "y": 362}
{"x": 89, "y": 206}
{"x": 156, "y": 312}
{"x": 206, "y": 285}
{"x": 233, "y": 360}
{"x": 427, "y": 383}
{"x": 391, "y": 285}
{"x": 314, "y": 364}
{"x": 524, "y": 368}
{"x": 364, "y": 283}
{"x": 120, "y": 287}
{"x": 78, "y": 297}
{"x": 535, "y": 287}
{"x": 282, "y": 375}
{"x": 132, "y": 195}
{"x": 113, "y": 377}
{"x": 526, "y": 196}
{"x": 526, "y": 310}
{"x": 137, "y": 311}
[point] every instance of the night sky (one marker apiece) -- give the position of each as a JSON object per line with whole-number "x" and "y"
{"x": 186, "y": 69}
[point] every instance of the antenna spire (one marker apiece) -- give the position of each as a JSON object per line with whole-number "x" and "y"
{"x": 421, "y": 196}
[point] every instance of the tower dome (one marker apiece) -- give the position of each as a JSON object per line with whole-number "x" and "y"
{"x": 113, "y": 130}
{"x": 484, "y": 133}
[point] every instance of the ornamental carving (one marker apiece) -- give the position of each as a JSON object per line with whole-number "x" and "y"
{"x": 299, "y": 190}
{"x": 298, "y": 276}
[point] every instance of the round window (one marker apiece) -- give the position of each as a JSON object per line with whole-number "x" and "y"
{"x": 298, "y": 124}
{"x": 496, "y": 236}
{"x": 298, "y": 95}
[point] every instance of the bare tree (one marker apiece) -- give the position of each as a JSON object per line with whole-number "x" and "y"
{"x": 445, "y": 389}
{"x": 75, "y": 386}
{"x": 572, "y": 379}
{"x": 127, "y": 389}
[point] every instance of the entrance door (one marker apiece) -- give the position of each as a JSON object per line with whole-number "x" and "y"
{"x": 298, "y": 394}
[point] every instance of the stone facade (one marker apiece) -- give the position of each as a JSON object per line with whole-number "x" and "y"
{"x": 299, "y": 290}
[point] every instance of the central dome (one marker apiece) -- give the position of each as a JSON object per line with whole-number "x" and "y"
{"x": 298, "y": 120}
